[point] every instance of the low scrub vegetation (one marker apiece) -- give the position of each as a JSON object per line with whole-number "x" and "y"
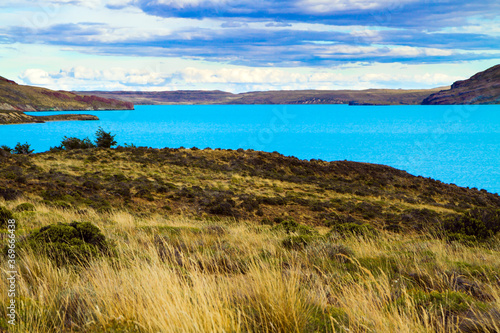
{"x": 145, "y": 240}
{"x": 148, "y": 273}
{"x": 103, "y": 140}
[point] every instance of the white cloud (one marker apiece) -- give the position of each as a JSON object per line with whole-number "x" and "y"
{"x": 427, "y": 79}
{"x": 240, "y": 75}
{"x": 409, "y": 51}
{"x": 233, "y": 79}
{"x": 37, "y": 77}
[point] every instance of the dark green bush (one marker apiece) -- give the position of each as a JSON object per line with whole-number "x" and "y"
{"x": 74, "y": 143}
{"x": 23, "y": 149}
{"x": 290, "y": 226}
{"x": 5, "y": 216}
{"x": 475, "y": 225}
{"x": 73, "y": 243}
{"x": 25, "y": 207}
{"x": 104, "y": 139}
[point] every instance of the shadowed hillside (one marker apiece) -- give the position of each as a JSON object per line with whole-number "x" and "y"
{"x": 482, "y": 88}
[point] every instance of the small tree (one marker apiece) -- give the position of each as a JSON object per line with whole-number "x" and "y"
{"x": 23, "y": 149}
{"x": 104, "y": 139}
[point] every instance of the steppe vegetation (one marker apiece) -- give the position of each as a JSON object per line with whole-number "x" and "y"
{"x": 135, "y": 239}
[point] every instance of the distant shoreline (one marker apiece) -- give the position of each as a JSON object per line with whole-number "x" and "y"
{"x": 19, "y": 117}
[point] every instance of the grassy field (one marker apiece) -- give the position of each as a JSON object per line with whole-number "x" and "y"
{"x": 241, "y": 241}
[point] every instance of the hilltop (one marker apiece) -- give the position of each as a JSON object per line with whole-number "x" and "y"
{"x": 15, "y": 97}
{"x": 482, "y": 88}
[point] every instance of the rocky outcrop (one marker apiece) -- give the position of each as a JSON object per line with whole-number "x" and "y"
{"x": 482, "y": 88}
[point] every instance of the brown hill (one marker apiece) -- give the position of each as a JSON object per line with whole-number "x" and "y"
{"x": 357, "y": 97}
{"x": 482, "y": 88}
{"x": 15, "y": 97}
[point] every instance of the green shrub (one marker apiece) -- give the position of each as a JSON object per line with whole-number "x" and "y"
{"x": 290, "y": 226}
{"x": 74, "y": 143}
{"x": 346, "y": 229}
{"x": 5, "y": 216}
{"x": 449, "y": 302}
{"x": 474, "y": 225}
{"x": 297, "y": 242}
{"x": 104, "y": 139}
{"x": 23, "y": 149}
{"x": 25, "y": 207}
{"x": 73, "y": 243}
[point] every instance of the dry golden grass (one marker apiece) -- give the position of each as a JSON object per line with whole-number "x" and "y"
{"x": 238, "y": 277}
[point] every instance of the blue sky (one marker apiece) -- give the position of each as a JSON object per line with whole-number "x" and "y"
{"x": 246, "y": 45}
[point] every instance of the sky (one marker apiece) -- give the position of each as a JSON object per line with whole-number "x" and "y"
{"x": 246, "y": 45}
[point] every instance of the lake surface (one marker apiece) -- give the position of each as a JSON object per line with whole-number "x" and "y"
{"x": 455, "y": 144}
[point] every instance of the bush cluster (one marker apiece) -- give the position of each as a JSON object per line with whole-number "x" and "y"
{"x": 5, "y": 216}
{"x": 346, "y": 229}
{"x": 20, "y": 148}
{"x": 73, "y": 243}
{"x": 103, "y": 140}
{"x": 475, "y": 225}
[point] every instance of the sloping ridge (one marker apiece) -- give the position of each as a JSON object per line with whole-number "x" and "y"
{"x": 355, "y": 97}
{"x": 482, "y": 88}
{"x": 15, "y": 97}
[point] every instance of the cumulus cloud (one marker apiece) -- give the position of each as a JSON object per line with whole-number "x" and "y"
{"x": 36, "y": 76}
{"x": 81, "y": 76}
{"x": 234, "y": 79}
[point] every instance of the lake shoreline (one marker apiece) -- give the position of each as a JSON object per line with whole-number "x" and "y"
{"x": 19, "y": 117}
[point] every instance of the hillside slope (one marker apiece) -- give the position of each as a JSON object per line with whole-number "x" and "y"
{"x": 15, "y": 97}
{"x": 188, "y": 240}
{"x": 242, "y": 184}
{"x": 482, "y": 88}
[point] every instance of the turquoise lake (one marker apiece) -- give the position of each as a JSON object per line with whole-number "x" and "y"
{"x": 455, "y": 144}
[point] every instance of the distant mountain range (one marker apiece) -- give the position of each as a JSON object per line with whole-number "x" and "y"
{"x": 355, "y": 97}
{"x": 15, "y": 97}
{"x": 482, "y": 88}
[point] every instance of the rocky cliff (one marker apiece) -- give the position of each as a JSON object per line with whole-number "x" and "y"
{"x": 482, "y": 88}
